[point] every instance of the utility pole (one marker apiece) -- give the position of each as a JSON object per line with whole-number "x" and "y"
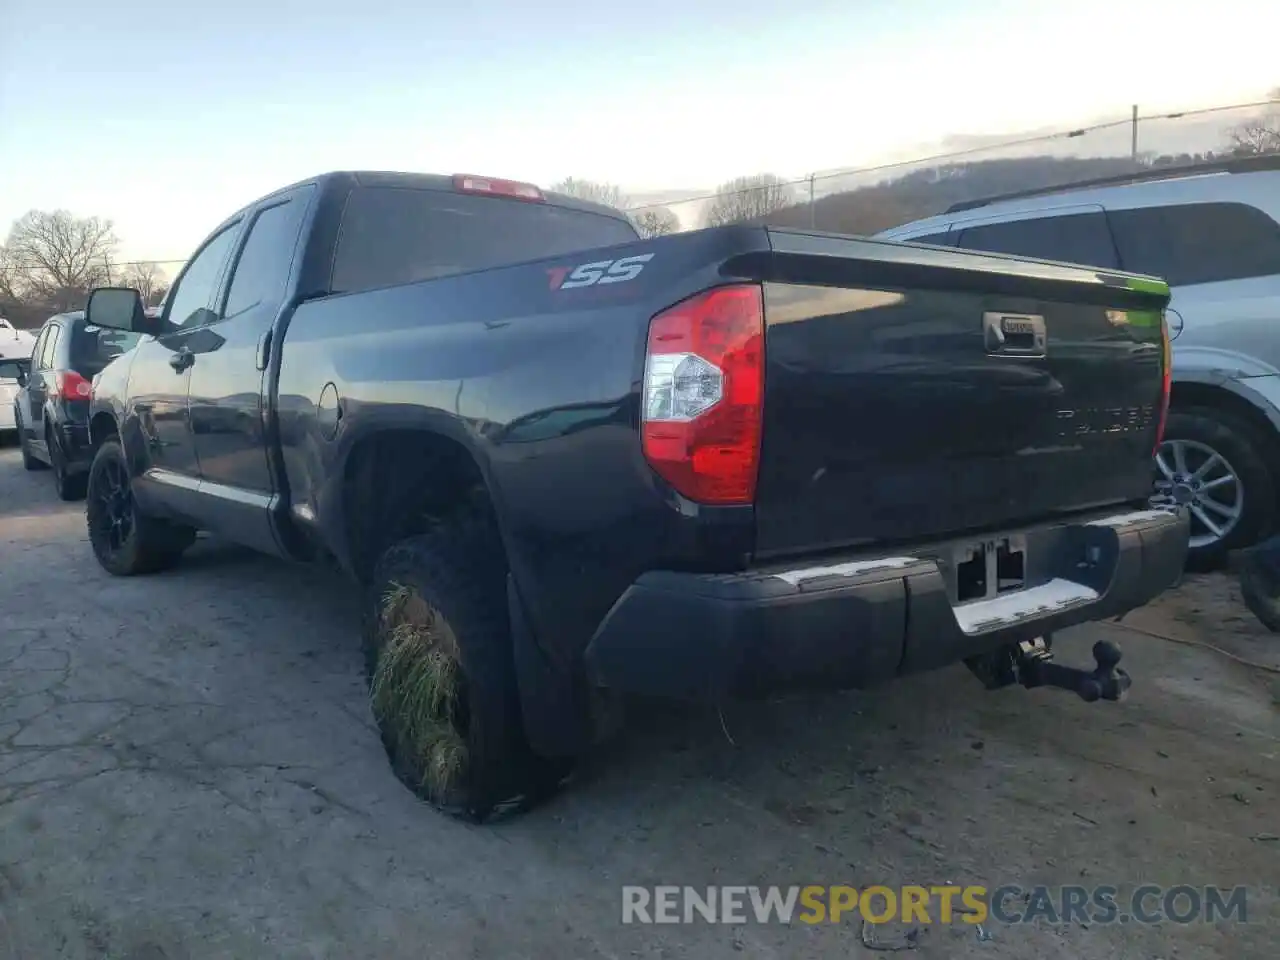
{"x": 1134, "y": 142}
{"x": 813, "y": 212}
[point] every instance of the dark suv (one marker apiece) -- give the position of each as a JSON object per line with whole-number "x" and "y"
{"x": 52, "y": 407}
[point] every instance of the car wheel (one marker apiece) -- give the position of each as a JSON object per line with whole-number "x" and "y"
{"x": 125, "y": 541}
{"x": 442, "y": 680}
{"x": 69, "y": 486}
{"x": 29, "y": 462}
{"x": 1211, "y": 462}
{"x": 1260, "y": 582}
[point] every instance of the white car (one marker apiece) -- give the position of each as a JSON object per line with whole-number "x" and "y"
{"x": 9, "y": 367}
{"x": 14, "y": 342}
{"x": 15, "y": 352}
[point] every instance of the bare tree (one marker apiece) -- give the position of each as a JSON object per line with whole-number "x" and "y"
{"x": 60, "y": 255}
{"x": 1258, "y": 136}
{"x": 147, "y": 278}
{"x": 748, "y": 198}
{"x": 609, "y": 194}
{"x": 655, "y": 221}
{"x": 11, "y": 286}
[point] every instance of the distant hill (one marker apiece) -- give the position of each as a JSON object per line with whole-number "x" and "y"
{"x": 929, "y": 191}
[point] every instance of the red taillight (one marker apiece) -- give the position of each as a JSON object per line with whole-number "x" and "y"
{"x": 466, "y": 183}
{"x": 1166, "y": 381}
{"x": 72, "y": 386}
{"x": 704, "y": 394}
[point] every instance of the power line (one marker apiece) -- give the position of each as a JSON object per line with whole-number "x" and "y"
{"x": 28, "y": 268}
{"x": 971, "y": 151}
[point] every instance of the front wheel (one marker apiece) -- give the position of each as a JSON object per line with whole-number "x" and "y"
{"x": 125, "y": 541}
{"x": 442, "y": 674}
{"x": 1212, "y": 463}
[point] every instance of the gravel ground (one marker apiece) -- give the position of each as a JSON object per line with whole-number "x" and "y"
{"x": 188, "y": 768}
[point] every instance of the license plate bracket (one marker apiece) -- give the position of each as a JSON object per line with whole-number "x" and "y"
{"x": 988, "y": 568}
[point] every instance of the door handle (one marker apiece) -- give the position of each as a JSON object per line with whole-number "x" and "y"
{"x": 264, "y": 350}
{"x": 182, "y": 359}
{"x": 1014, "y": 334}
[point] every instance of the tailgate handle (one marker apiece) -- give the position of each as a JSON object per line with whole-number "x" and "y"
{"x": 1014, "y": 334}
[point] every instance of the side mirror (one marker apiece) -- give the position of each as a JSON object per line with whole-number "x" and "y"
{"x": 118, "y": 308}
{"x": 22, "y": 376}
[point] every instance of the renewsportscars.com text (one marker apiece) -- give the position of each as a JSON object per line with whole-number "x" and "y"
{"x": 1008, "y": 904}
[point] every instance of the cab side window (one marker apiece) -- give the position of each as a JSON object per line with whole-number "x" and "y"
{"x": 191, "y": 297}
{"x": 261, "y": 275}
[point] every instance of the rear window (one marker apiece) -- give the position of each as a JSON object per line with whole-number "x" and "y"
{"x": 92, "y": 348}
{"x": 1197, "y": 242}
{"x": 1074, "y": 238}
{"x": 394, "y": 235}
{"x": 9, "y": 368}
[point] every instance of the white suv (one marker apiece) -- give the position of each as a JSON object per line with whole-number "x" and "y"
{"x": 15, "y": 351}
{"x": 1213, "y": 232}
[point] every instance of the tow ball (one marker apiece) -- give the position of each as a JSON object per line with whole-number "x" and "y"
{"x": 1030, "y": 663}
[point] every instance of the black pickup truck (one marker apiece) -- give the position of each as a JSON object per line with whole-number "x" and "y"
{"x": 565, "y": 463}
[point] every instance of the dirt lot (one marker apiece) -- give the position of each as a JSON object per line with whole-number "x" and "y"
{"x": 188, "y": 769}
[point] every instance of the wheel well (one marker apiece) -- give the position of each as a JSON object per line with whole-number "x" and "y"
{"x": 1184, "y": 395}
{"x": 398, "y": 483}
{"x": 102, "y": 425}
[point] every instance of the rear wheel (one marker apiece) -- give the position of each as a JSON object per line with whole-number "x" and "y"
{"x": 442, "y": 675}
{"x": 1213, "y": 463}
{"x": 1260, "y": 583}
{"x": 125, "y": 541}
{"x": 29, "y": 462}
{"x": 69, "y": 486}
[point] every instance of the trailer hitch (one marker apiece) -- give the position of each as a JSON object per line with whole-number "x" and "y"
{"x": 1030, "y": 663}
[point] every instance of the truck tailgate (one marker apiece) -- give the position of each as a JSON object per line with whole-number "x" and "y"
{"x": 915, "y": 393}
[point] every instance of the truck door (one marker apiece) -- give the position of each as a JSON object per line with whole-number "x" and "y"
{"x": 227, "y": 400}
{"x": 158, "y": 430}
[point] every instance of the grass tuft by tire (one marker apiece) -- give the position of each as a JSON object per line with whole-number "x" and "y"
{"x": 415, "y": 692}
{"x": 442, "y": 682}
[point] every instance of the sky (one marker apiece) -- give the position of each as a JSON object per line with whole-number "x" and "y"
{"x": 167, "y": 120}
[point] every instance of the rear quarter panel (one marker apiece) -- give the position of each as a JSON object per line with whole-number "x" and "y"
{"x": 541, "y": 386}
{"x": 1229, "y": 327}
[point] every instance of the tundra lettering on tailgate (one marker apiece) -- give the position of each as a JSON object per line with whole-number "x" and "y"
{"x": 598, "y": 272}
{"x": 1083, "y": 421}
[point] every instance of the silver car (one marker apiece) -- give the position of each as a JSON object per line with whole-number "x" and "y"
{"x": 1213, "y": 232}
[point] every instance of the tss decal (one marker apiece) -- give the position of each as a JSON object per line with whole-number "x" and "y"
{"x": 601, "y": 271}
